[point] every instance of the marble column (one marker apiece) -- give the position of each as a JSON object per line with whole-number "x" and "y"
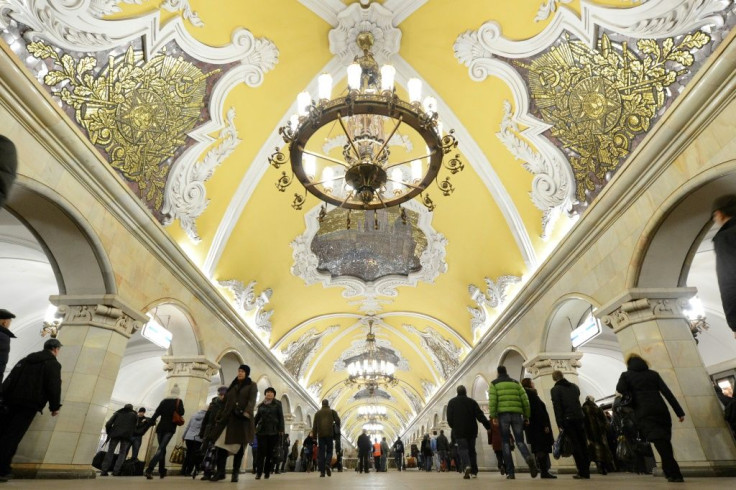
{"x": 541, "y": 368}
{"x": 651, "y": 323}
{"x": 94, "y": 332}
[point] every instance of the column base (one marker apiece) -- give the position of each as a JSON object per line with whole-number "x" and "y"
{"x": 43, "y": 471}
{"x": 707, "y": 469}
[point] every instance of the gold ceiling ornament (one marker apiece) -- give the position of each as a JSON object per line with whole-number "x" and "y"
{"x": 138, "y": 111}
{"x": 365, "y": 176}
{"x": 598, "y": 100}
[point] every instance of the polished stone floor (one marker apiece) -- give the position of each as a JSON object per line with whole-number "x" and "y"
{"x": 374, "y": 481}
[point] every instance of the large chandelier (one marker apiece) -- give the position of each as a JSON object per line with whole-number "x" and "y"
{"x": 373, "y": 368}
{"x": 372, "y": 412}
{"x": 364, "y": 174}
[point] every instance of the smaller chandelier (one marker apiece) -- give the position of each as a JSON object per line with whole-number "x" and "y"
{"x": 364, "y": 175}
{"x": 372, "y": 411}
{"x": 373, "y": 368}
{"x": 372, "y": 427}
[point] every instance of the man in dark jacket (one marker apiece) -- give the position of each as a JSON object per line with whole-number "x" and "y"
{"x": 364, "y": 450}
{"x": 142, "y": 424}
{"x": 463, "y": 415}
{"x": 5, "y": 335}
{"x": 120, "y": 429}
{"x": 398, "y": 448}
{"x": 323, "y": 427}
{"x": 8, "y": 167}
{"x": 724, "y": 245}
{"x": 570, "y": 418}
{"x": 165, "y": 429}
{"x": 539, "y": 431}
{"x": 443, "y": 451}
{"x": 33, "y": 382}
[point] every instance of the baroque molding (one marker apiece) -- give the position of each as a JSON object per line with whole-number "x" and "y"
{"x": 642, "y": 305}
{"x": 493, "y": 297}
{"x": 194, "y": 367}
{"x": 185, "y": 9}
{"x": 102, "y": 311}
{"x": 300, "y": 353}
{"x": 444, "y": 354}
{"x": 366, "y": 294}
{"x": 185, "y": 196}
{"x": 545, "y": 363}
{"x": 553, "y": 186}
{"x": 548, "y": 8}
{"x": 414, "y": 401}
{"x": 354, "y": 19}
{"x": 246, "y": 300}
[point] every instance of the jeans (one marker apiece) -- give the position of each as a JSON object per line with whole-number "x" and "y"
{"x": 107, "y": 462}
{"x": 324, "y": 453}
{"x": 135, "y": 443}
{"x": 466, "y": 453}
{"x": 160, "y": 456}
{"x": 509, "y": 421}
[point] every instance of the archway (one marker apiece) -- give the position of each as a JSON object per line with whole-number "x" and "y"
{"x": 479, "y": 391}
{"x": 514, "y": 362}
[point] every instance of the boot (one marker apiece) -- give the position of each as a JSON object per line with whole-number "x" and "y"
{"x": 532, "y": 466}
{"x": 221, "y": 461}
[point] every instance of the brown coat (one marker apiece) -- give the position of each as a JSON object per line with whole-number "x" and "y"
{"x": 239, "y": 431}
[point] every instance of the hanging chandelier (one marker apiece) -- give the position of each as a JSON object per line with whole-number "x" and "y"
{"x": 373, "y": 368}
{"x": 364, "y": 175}
{"x": 372, "y": 412}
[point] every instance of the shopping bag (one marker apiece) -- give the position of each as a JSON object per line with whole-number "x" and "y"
{"x": 178, "y": 455}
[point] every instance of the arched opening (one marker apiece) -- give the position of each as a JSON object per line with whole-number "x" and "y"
{"x": 514, "y": 362}
{"x": 286, "y": 404}
{"x": 479, "y": 391}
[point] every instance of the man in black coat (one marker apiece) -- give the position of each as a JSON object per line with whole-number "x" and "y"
{"x": 120, "y": 429}
{"x": 724, "y": 245}
{"x": 570, "y": 418}
{"x": 5, "y": 335}
{"x": 463, "y": 415}
{"x": 364, "y": 450}
{"x": 34, "y": 381}
{"x": 8, "y": 167}
{"x": 538, "y": 433}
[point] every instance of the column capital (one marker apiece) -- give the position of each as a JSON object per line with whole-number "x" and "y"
{"x": 189, "y": 366}
{"x": 645, "y": 304}
{"x": 288, "y": 418}
{"x": 545, "y": 363}
{"x": 106, "y": 311}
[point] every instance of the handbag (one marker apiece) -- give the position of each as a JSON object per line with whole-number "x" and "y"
{"x": 562, "y": 446}
{"x": 626, "y": 401}
{"x": 178, "y": 455}
{"x": 624, "y": 451}
{"x": 176, "y": 417}
{"x": 100, "y": 456}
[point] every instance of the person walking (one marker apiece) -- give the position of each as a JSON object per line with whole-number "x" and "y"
{"x": 323, "y": 426}
{"x": 398, "y": 448}
{"x": 463, "y": 416}
{"x": 509, "y": 409}
{"x": 207, "y": 431}
{"x": 8, "y": 167}
{"x": 377, "y": 455}
{"x": 494, "y": 439}
{"x": 426, "y": 450}
{"x": 32, "y": 383}
{"x": 285, "y": 446}
{"x": 443, "y": 451}
{"x": 570, "y": 418}
{"x": 539, "y": 431}
{"x": 164, "y": 430}
{"x": 724, "y": 246}
{"x": 120, "y": 429}
{"x": 235, "y": 427}
{"x": 193, "y": 441}
{"x": 269, "y": 426}
{"x": 596, "y": 428}
{"x": 645, "y": 388}
{"x": 6, "y": 318}
{"x": 364, "y": 451}
{"x": 142, "y": 424}
{"x": 307, "y": 451}
{"x": 384, "y": 454}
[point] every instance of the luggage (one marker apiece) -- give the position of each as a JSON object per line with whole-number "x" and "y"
{"x": 208, "y": 462}
{"x": 99, "y": 457}
{"x": 132, "y": 467}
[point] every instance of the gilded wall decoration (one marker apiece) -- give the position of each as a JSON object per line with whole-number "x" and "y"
{"x": 246, "y": 300}
{"x": 597, "y": 101}
{"x": 299, "y": 354}
{"x": 493, "y": 297}
{"x": 416, "y": 403}
{"x": 138, "y": 111}
{"x": 445, "y": 354}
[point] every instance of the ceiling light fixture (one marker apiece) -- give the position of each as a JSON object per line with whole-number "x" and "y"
{"x": 373, "y": 368}
{"x": 365, "y": 175}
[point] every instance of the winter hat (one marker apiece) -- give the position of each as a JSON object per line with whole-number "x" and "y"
{"x": 175, "y": 391}
{"x": 727, "y": 201}
{"x": 5, "y": 314}
{"x": 222, "y": 390}
{"x": 245, "y": 368}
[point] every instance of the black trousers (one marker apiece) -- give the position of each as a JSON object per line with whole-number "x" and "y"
{"x": 266, "y": 446}
{"x": 13, "y": 427}
{"x": 669, "y": 465}
{"x": 575, "y": 430}
{"x": 363, "y": 461}
{"x": 191, "y": 462}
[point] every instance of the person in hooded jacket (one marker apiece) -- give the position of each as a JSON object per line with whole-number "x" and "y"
{"x": 33, "y": 382}
{"x": 120, "y": 429}
{"x": 193, "y": 442}
{"x": 570, "y": 418}
{"x": 646, "y": 387}
{"x": 6, "y": 318}
{"x": 165, "y": 429}
{"x": 235, "y": 426}
{"x": 269, "y": 426}
{"x": 539, "y": 431}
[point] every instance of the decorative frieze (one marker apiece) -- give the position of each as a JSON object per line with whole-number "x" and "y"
{"x": 194, "y": 367}
{"x": 444, "y": 354}
{"x": 299, "y": 354}
{"x": 494, "y": 296}
{"x": 103, "y": 311}
{"x": 547, "y": 362}
{"x": 246, "y": 300}
{"x": 642, "y": 305}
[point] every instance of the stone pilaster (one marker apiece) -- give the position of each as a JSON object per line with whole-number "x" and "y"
{"x": 651, "y": 323}
{"x": 94, "y": 332}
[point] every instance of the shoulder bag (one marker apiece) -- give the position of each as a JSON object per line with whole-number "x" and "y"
{"x": 177, "y": 418}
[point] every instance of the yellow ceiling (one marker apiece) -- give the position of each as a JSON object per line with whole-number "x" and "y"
{"x": 480, "y": 242}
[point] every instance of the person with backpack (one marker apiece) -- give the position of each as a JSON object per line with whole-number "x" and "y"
{"x": 120, "y": 429}
{"x": 398, "y": 448}
{"x": 34, "y": 381}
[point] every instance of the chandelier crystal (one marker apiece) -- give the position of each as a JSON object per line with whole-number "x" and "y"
{"x": 373, "y": 368}
{"x": 365, "y": 175}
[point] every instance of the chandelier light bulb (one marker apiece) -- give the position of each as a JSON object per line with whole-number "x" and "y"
{"x": 388, "y": 74}
{"x": 415, "y": 89}
{"x": 354, "y": 74}
{"x": 416, "y": 170}
{"x": 439, "y": 128}
{"x": 328, "y": 177}
{"x": 430, "y": 104}
{"x": 303, "y": 101}
{"x": 294, "y": 122}
{"x": 310, "y": 165}
{"x": 325, "y": 86}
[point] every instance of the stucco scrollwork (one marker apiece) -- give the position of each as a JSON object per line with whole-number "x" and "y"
{"x": 547, "y": 8}
{"x": 416, "y": 403}
{"x": 246, "y": 300}
{"x": 354, "y": 19}
{"x": 645, "y": 309}
{"x": 99, "y": 315}
{"x": 299, "y": 354}
{"x": 185, "y": 9}
{"x": 445, "y": 355}
{"x": 494, "y": 296}
{"x": 315, "y": 390}
{"x": 428, "y": 389}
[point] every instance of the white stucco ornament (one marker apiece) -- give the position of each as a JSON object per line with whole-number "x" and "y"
{"x": 354, "y": 19}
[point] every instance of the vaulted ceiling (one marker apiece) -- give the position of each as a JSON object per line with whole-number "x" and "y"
{"x": 547, "y": 99}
